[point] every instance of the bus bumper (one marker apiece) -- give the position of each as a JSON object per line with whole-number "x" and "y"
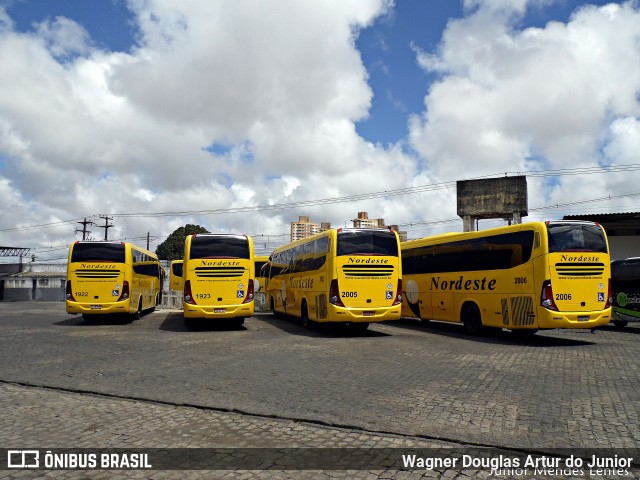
{"x": 97, "y": 308}
{"x": 362, "y": 315}
{"x": 552, "y": 319}
{"x": 219, "y": 311}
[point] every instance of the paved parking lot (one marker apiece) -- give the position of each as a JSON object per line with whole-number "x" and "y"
{"x": 272, "y": 384}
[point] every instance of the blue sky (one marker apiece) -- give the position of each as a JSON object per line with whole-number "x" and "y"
{"x": 200, "y": 107}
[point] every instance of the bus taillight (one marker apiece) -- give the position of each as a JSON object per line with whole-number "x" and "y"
{"x": 398, "y": 299}
{"x": 546, "y": 298}
{"x": 609, "y": 296}
{"x": 125, "y": 291}
{"x": 334, "y": 294}
{"x": 188, "y": 296}
{"x": 69, "y": 293}
{"x": 249, "y": 296}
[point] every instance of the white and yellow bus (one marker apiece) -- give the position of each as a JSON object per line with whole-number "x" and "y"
{"x": 346, "y": 275}
{"x": 105, "y": 278}
{"x": 218, "y": 275}
{"x": 522, "y": 277}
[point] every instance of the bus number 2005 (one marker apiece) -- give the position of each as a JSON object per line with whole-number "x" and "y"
{"x": 349, "y": 294}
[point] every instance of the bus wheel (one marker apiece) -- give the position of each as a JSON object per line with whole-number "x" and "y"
{"x": 524, "y": 332}
{"x": 153, "y": 307}
{"x": 359, "y": 326}
{"x": 304, "y": 315}
{"x": 237, "y": 322}
{"x": 471, "y": 319}
{"x": 620, "y": 323}
{"x": 138, "y": 314}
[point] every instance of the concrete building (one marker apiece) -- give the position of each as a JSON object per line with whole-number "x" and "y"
{"x": 33, "y": 281}
{"x": 504, "y": 197}
{"x": 304, "y": 228}
{"x": 401, "y": 234}
{"x": 363, "y": 221}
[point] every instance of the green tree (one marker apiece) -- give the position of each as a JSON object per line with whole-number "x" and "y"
{"x": 173, "y": 247}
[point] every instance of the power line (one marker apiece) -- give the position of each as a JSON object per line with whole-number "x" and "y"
{"x": 350, "y": 198}
{"x": 385, "y": 193}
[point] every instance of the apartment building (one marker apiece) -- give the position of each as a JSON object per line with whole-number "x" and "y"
{"x": 305, "y": 228}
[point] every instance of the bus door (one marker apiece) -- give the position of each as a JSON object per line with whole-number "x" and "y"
{"x": 518, "y": 310}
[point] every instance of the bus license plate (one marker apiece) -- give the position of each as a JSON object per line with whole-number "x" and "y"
{"x": 219, "y": 310}
{"x": 368, "y": 314}
{"x": 96, "y": 307}
{"x": 583, "y": 318}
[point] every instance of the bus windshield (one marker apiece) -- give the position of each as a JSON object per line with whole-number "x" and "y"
{"x": 211, "y": 246}
{"x": 362, "y": 242}
{"x": 571, "y": 237}
{"x": 98, "y": 252}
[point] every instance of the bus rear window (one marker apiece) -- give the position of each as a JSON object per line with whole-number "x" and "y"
{"x": 204, "y": 246}
{"x": 98, "y": 252}
{"x": 572, "y": 237}
{"x": 361, "y": 242}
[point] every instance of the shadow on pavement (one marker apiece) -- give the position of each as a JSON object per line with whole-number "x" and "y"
{"x": 495, "y": 336}
{"x": 175, "y": 322}
{"x": 293, "y": 326}
{"x": 96, "y": 320}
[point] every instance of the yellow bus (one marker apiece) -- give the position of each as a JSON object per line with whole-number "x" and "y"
{"x": 106, "y": 278}
{"x": 524, "y": 277}
{"x": 175, "y": 276}
{"x": 218, "y": 275}
{"x": 260, "y": 262}
{"x": 341, "y": 275}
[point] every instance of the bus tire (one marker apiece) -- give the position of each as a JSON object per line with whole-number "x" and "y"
{"x": 153, "y": 307}
{"x": 471, "y": 318}
{"x": 237, "y": 322}
{"x": 304, "y": 315}
{"x": 620, "y": 323}
{"x": 138, "y": 314}
{"x": 524, "y": 332}
{"x": 359, "y": 326}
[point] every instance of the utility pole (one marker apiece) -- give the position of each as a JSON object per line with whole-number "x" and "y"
{"x": 147, "y": 240}
{"x": 84, "y": 228}
{"x": 106, "y": 225}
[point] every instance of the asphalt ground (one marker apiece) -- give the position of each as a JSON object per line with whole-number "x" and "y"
{"x": 156, "y": 384}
